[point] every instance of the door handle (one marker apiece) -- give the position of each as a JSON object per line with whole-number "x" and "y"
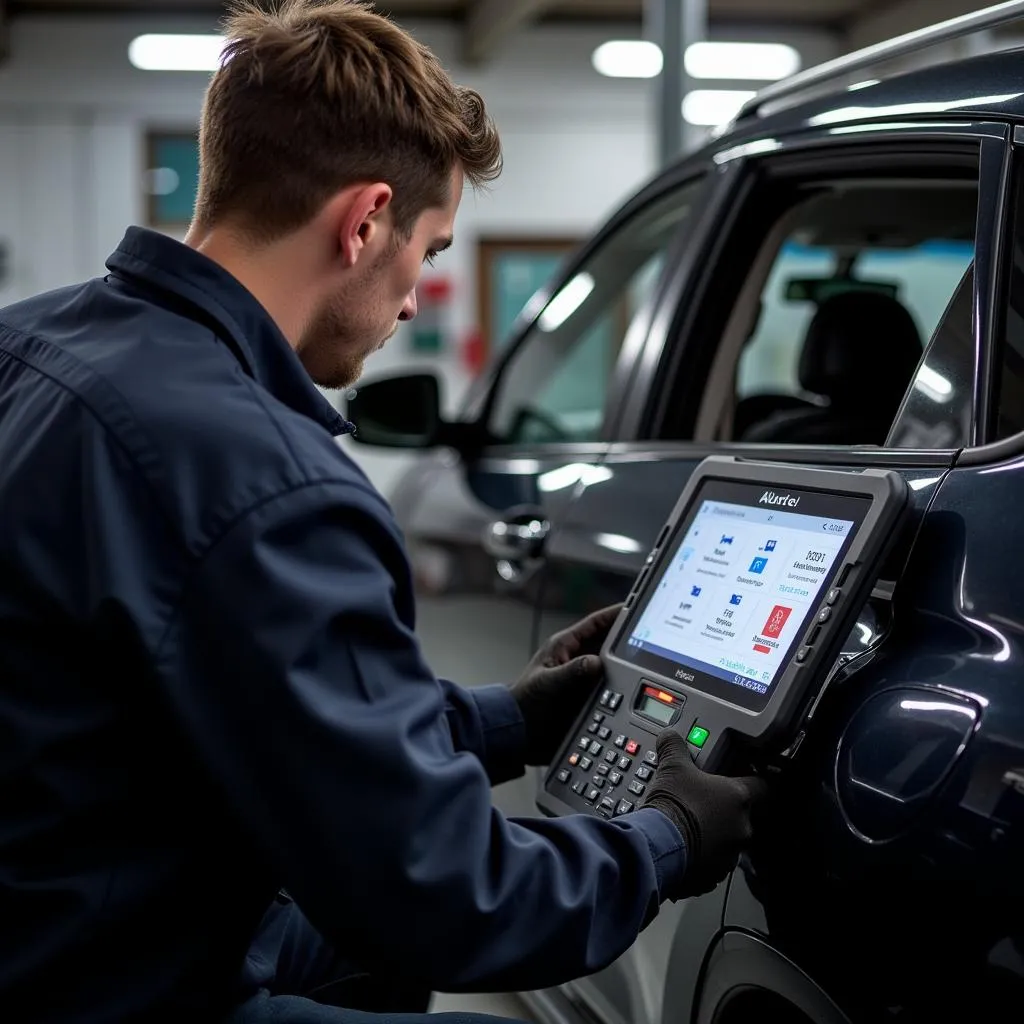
{"x": 520, "y": 538}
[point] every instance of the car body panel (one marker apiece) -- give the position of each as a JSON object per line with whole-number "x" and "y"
{"x": 890, "y": 907}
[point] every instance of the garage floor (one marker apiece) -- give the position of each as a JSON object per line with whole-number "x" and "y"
{"x": 472, "y": 659}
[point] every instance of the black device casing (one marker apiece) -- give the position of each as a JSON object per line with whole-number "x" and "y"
{"x": 772, "y": 728}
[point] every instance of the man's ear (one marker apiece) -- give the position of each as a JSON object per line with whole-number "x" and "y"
{"x": 360, "y": 214}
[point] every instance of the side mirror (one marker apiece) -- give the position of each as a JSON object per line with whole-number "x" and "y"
{"x": 397, "y": 412}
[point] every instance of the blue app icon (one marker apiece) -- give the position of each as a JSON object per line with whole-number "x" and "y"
{"x": 687, "y": 554}
{"x": 726, "y": 540}
{"x": 735, "y": 599}
{"x": 758, "y": 564}
{"x": 695, "y": 592}
{"x": 770, "y": 545}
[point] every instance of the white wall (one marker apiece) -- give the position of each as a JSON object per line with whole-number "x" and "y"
{"x": 73, "y": 113}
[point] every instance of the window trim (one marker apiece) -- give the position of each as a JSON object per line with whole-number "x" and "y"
{"x": 878, "y": 146}
{"x": 831, "y": 455}
{"x": 987, "y": 451}
{"x": 995, "y": 201}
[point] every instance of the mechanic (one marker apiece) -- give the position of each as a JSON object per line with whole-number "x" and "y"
{"x": 211, "y": 686}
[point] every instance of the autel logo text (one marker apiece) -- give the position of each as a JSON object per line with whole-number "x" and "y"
{"x": 771, "y": 498}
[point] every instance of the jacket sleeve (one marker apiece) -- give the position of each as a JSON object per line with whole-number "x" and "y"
{"x": 486, "y": 722}
{"x": 306, "y": 696}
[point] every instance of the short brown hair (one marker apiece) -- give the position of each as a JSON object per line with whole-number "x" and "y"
{"x": 317, "y": 95}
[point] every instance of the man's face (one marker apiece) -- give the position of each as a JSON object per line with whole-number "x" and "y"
{"x": 356, "y": 321}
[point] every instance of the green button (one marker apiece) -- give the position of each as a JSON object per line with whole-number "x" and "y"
{"x": 698, "y": 736}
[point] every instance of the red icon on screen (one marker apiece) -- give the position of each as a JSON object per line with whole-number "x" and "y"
{"x": 776, "y": 621}
{"x": 774, "y": 626}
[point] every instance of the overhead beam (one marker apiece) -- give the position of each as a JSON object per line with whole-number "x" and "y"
{"x": 489, "y": 23}
{"x": 886, "y": 20}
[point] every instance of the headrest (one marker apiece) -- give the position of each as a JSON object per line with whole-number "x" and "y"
{"x": 861, "y": 346}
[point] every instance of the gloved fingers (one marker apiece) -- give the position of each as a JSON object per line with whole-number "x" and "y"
{"x": 752, "y": 792}
{"x": 587, "y": 635}
{"x": 671, "y": 749}
{"x": 580, "y": 672}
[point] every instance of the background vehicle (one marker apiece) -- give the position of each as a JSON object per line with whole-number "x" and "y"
{"x": 836, "y": 281}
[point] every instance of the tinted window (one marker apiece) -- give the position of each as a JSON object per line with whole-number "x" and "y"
{"x": 922, "y": 277}
{"x": 861, "y": 280}
{"x": 555, "y": 387}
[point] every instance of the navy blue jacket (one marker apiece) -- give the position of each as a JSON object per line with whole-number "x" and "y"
{"x": 210, "y": 686}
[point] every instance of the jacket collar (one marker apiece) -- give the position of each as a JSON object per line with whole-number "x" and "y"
{"x": 209, "y": 293}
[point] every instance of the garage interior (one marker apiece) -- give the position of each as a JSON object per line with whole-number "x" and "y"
{"x": 93, "y": 139}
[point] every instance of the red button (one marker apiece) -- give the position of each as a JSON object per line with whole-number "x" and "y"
{"x": 632, "y": 747}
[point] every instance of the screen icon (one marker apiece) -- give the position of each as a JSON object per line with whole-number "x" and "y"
{"x": 726, "y": 540}
{"x": 687, "y": 554}
{"x": 695, "y": 592}
{"x": 735, "y": 599}
{"x": 776, "y": 621}
{"x": 758, "y": 565}
{"x": 769, "y": 545}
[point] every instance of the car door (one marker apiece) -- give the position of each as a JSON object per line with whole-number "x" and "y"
{"x": 729, "y": 325}
{"x": 477, "y": 521}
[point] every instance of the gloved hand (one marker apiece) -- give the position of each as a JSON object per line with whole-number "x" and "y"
{"x": 712, "y": 812}
{"x": 557, "y": 682}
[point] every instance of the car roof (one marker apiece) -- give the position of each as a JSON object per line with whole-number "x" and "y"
{"x": 990, "y": 85}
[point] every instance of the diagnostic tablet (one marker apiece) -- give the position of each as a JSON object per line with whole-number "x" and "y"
{"x": 732, "y": 627}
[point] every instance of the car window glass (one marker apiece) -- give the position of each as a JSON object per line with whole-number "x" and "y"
{"x": 555, "y": 386}
{"x": 857, "y": 287}
{"x": 1010, "y": 403}
{"x": 939, "y": 407}
{"x": 922, "y": 277}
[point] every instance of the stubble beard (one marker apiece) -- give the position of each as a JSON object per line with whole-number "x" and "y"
{"x": 328, "y": 347}
{"x": 330, "y": 350}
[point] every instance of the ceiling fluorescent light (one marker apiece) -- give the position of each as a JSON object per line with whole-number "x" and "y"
{"x": 176, "y": 53}
{"x": 628, "y": 58}
{"x": 714, "y": 106}
{"x": 753, "y": 62}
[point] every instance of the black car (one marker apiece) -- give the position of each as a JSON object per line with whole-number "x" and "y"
{"x": 838, "y": 281}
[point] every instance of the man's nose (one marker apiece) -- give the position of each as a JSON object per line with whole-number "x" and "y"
{"x": 408, "y": 307}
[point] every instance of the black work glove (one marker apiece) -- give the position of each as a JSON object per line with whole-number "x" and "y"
{"x": 557, "y": 682}
{"x": 712, "y": 812}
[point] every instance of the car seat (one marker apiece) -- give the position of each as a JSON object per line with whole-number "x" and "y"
{"x": 758, "y": 407}
{"x": 861, "y": 351}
